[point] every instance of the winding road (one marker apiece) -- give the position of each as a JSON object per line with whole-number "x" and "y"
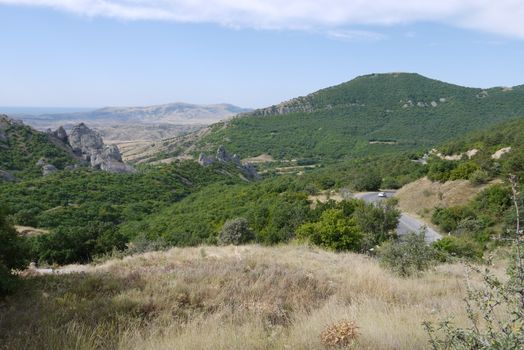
{"x": 407, "y": 223}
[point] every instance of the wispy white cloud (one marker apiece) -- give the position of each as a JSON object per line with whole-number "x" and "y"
{"x": 354, "y": 35}
{"x": 500, "y": 16}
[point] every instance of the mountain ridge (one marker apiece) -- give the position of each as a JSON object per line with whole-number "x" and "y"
{"x": 406, "y": 110}
{"x": 171, "y": 113}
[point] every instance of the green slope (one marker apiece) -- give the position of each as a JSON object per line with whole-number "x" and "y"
{"x": 408, "y": 111}
{"x": 21, "y": 147}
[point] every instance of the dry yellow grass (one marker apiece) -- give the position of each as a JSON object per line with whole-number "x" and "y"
{"x": 30, "y": 231}
{"x": 422, "y": 196}
{"x": 248, "y": 297}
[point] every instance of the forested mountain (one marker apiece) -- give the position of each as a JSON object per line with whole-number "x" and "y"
{"x": 371, "y": 114}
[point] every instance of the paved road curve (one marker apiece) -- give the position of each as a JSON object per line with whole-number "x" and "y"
{"x": 407, "y": 223}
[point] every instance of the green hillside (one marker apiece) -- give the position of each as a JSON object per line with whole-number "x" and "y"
{"x": 83, "y": 208}
{"x": 372, "y": 114}
{"x": 506, "y": 139}
{"x": 22, "y": 146}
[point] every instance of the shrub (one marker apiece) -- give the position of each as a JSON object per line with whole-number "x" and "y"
{"x": 378, "y": 222}
{"x": 341, "y": 334}
{"x": 459, "y": 247}
{"x": 449, "y": 218}
{"x": 439, "y": 169}
{"x": 463, "y": 171}
{"x": 13, "y": 254}
{"x": 334, "y": 230}
{"x": 408, "y": 256}
{"x": 479, "y": 177}
{"x": 66, "y": 245}
{"x": 26, "y": 217}
{"x": 236, "y": 232}
{"x": 367, "y": 182}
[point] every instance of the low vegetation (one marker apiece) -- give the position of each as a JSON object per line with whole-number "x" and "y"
{"x": 24, "y": 146}
{"x": 231, "y": 298}
{"x": 13, "y": 254}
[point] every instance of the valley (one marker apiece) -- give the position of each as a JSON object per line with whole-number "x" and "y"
{"x": 365, "y": 201}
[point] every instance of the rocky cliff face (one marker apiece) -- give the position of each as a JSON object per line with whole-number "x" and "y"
{"x": 85, "y": 142}
{"x": 88, "y": 144}
{"x": 299, "y": 104}
{"x": 222, "y": 156}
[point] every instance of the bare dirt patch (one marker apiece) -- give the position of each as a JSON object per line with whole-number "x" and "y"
{"x": 263, "y": 158}
{"x": 28, "y": 231}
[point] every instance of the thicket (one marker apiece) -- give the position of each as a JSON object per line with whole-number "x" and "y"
{"x": 13, "y": 254}
{"x": 84, "y": 209}
{"x": 351, "y": 225}
{"x": 23, "y": 149}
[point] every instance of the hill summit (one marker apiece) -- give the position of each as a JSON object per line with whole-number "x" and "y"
{"x": 371, "y": 114}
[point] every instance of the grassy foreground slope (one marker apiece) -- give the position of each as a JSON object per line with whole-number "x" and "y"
{"x": 371, "y": 114}
{"x": 246, "y": 297}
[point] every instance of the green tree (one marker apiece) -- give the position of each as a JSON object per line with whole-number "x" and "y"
{"x": 236, "y": 232}
{"x": 378, "y": 221}
{"x": 13, "y": 254}
{"x": 334, "y": 230}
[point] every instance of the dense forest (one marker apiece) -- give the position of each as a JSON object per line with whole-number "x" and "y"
{"x": 370, "y": 115}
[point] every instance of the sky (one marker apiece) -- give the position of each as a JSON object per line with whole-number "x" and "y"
{"x": 252, "y": 53}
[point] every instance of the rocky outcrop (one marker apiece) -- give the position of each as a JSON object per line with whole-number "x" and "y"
{"x": 299, "y": 104}
{"x": 60, "y": 134}
{"x": 85, "y": 142}
{"x": 4, "y": 124}
{"x": 6, "y": 176}
{"x": 205, "y": 160}
{"x": 222, "y": 156}
{"x": 89, "y": 145}
{"x": 48, "y": 169}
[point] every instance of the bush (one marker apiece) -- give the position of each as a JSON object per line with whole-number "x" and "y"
{"x": 67, "y": 245}
{"x": 459, "y": 247}
{"x": 463, "y": 171}
{"x": 378, "y": 222}
{"x": 439, "y": 169}
{"x": 367, "y": 182}
{"x": 334, "y": 230}
{"x": 26, "y": 217}
{"x": 236, "y": 232}
{"x": 448, "y": 219}
{"x": 408, "y": 256}
{"x": 478, "y": 177}
{"x": 13, "y": 254}
{"x": 340, "y": 335}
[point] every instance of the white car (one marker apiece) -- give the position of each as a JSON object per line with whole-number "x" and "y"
{"x": 382, "y": 194}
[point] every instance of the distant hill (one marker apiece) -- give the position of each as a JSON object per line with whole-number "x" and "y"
{"x": 138, "y": 123}
{"x": 372, "y": 114}
{"x": 173, "y": 113}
